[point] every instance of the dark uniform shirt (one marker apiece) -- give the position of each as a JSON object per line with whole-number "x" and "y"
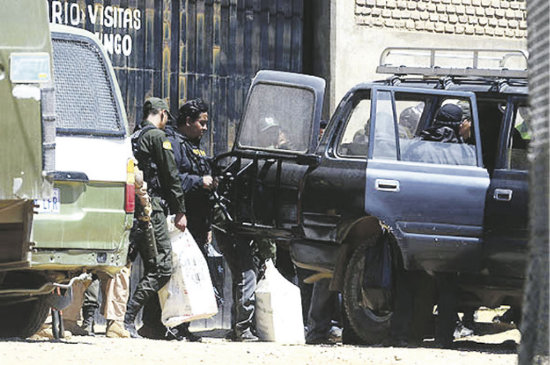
{"x": 155, "y": 144}
{"x": 193, "y": 164}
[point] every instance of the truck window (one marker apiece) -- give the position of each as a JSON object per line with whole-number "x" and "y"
{"x": 354, "y": 140}
{"x": 86, "y": 107}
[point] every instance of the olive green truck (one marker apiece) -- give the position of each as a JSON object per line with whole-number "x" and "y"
{"x": 66, "y": 181}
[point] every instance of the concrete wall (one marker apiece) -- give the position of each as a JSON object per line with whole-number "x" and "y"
{"x": 363, "y": 28}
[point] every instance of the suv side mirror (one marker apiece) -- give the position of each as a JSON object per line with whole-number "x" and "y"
{"x": 311, "y": 160}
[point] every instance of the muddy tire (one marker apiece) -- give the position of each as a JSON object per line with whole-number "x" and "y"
{"x": 23, "y": 319}
{"x": 372, "y": 327}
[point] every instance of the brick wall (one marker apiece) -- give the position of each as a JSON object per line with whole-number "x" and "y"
{"x": 493, "y": 18}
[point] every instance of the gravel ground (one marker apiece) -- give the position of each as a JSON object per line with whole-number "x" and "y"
{"x": 497, "y": 345}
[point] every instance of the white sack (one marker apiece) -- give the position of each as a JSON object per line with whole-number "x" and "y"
{"x": 278, "y": 309}
{"x": 189, "y": 294}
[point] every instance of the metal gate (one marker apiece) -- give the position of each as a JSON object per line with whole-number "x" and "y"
{"x": 186, "y": 49}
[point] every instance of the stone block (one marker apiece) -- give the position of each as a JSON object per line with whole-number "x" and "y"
{"x": 483, "y": 21}
{"x": 386, "y": 13}
{"x": 480, "y": 30}
{"x": 441, "y": 8}
{"x": 469, "y": 29}
{"x": 453, "y": 19}
{"x": 360, "y": 2}
{"x": 402, "y": 4}
{"x": 489, "y": 11}
{"x": 439, "y": 27}
{"x": 412, "y": 5}
{"x": 415, "y": 15}
{"x": 495, "y": 3}
{"x": 463, "y": 19}
{"x": 451, "y": 9}
{"x": 499, "y": 32}
{"x": 485, "y": 3}
{"x": 510, "y": 14}
{"x": 500, "y": 13}
{"x": 421, "y": 6}
{"x": 467, "y": 2}
{"x": 425, "y": 16}
{"x": 521, "y": 33}
{"x": 429, "y": 26}
{"x": 470, "y": 10}
{"x": 446, "y": 1}
{"x": 434, "y": 17}
{"x": 480, "y": 11}
{"x": 370, "y": 2}
{"x": 476, "y": 2}
{"x": 449, "y": 28}
{"x": 396, "y": 14}
{"x": 472, "y": 20}
{"x": 514, "y": 5}
{"x": 503, "y": 23}
{"x": 504, "y": 4}
{"x": 461, "y": 9}
{"x": 493, "y": 22}
{"x": 509, "y": 33}
{"x": 457, "y": 2}
{"x": 522, "y": 24}
{"x": 443, "y": 18}
{"x": 389, "y": 23}
{"x": 391, "y": 4}
{"x": 513, "y": 23}
{"x": 419, "y": 25}
{"x": 410, "y": 24}
{"x": 405, "y": 14}
{"x": 376, "y": 12}
{"x": 459, "y": 29}
{"x": 520, "y": 14}
{"x": 490, "y": 31}
{"x": 380, "y": 2}
{"x": 431, "y": 7}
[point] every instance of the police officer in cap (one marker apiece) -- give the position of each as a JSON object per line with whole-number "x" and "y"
{"x": 155, "y": 158}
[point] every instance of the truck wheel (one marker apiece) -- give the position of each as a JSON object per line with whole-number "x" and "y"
{"x": 372, "y": 326}
{"x": 23, "y": 319}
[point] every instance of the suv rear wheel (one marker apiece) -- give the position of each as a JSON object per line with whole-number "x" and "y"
{"x": 372, "y": 326}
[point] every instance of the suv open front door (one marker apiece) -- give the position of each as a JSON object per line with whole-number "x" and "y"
{"x": 273, "y": 150}
{"x": 431, "y": 193}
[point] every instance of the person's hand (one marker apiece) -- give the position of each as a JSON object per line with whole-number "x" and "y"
{"x": 180, "y": 221}
{"x": 207, "y": 182}
{"x": 465, "y": 129}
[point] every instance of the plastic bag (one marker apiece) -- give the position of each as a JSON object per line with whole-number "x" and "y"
{"x": 278, "y": 309}
{"x": 189, "y": 294}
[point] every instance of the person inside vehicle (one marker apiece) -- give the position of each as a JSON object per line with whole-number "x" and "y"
{"x": 408, "y": 120}
{"x": 271, "y": 135}
{"x": 446, "y": 126}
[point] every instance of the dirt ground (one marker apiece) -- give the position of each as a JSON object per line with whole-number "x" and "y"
{"x": 496, "y": 345}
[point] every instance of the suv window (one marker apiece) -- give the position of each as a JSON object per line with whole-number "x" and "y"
{"x": 278, "y": 117}
{"x": 517, "y": 146}
{"x": 423, "y": 132}
{"x": 355, "y": 139}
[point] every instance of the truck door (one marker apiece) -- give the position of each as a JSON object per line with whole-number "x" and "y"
{"x": 430, "y": 193}
{"x": 506, "y": 216}
{"x": 273, "y": 150}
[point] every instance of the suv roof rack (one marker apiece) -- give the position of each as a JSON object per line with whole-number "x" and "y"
{"x": 437, "y": 62}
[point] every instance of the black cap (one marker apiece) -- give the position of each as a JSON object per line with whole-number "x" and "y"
{"x": 450, "y": 115}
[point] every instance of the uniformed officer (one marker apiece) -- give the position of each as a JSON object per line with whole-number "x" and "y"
{"x": 196, "y": 177}
{"x": 155, "y": 158}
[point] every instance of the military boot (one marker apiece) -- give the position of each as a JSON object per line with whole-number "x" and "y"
{"x": 115, "y": 329}
{"x": 130, "y": 320}
{"x": 88, "y": 314}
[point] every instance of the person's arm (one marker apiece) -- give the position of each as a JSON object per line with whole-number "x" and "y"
{"x": 163, "y": 155}
{"x": 189, "y": 181}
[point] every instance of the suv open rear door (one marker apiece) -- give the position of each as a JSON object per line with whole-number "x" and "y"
{"x": 273, "y": 150}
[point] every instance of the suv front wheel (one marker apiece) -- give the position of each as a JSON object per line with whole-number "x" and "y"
{"x": 371, "y": 325}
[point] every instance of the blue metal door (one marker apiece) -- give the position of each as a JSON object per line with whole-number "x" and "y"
{"x": 434, "y": 203}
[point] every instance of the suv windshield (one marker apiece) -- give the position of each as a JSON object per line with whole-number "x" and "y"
{"x": 278, "y": 117}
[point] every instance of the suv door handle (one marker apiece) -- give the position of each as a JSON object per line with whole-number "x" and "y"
{"x": 386, "y": 185}
{"x": 504, "y": 195}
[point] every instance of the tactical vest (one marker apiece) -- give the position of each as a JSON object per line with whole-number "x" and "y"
{"x": 145, "y": 162}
